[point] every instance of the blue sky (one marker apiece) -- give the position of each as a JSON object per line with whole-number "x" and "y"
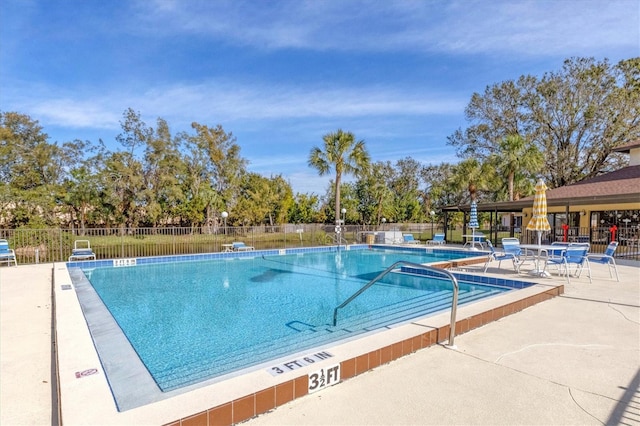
{"x": 281, "y": 74}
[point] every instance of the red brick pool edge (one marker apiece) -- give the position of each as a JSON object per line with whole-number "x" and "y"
{"x": 262, "y": 401}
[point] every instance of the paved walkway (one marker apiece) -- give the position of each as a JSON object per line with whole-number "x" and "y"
{"x": 571, "y": 360}
{"x": 27, "y": 377}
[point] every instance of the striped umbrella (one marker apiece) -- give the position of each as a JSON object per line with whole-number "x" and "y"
{"x": 539, "y": 220}
{"x": 473, "y": 219}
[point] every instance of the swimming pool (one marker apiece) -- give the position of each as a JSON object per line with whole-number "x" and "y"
{"x": 191, "y": 321}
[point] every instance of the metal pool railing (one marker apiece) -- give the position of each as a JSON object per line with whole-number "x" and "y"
{"x": 454, "y": 301}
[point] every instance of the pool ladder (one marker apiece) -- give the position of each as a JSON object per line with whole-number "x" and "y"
{"x": 439, "y": 271}
{"x": 337, "y": 239}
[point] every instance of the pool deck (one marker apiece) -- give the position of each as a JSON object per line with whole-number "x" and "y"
{"x": 573, "y": 359}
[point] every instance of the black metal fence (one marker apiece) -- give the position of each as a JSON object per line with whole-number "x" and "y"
{"x": 55, "y": 245}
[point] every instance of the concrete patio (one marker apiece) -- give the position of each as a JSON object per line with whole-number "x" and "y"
{"x": 574, "y": 359}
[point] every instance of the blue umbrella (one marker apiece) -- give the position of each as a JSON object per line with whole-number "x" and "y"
{"x": 473, "y": 221}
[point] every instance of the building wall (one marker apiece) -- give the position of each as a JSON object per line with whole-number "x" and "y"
{"x": 625, "y": 216}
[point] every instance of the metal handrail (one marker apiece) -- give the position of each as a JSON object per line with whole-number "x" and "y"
{"x": 454, "y": 301}
{"x": 338, "y": 239}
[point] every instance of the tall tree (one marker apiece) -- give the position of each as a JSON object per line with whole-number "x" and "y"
{"x": 135, "y": 132}
{"x": 124, "y": 176}
{"x": 163, "y": 167}
{"x": 580, "y": 114}
{"x": 263, "y": 200}
{"x": 498, "y": 112}
{"x": 122, "y": 185}
{"x": 253, "y": 201}
{"x": 341, "y": 154}
{"x": 515, "y": 158}
{"x": 374, "y": 196}
{"x": 282, "y": 201}
{"x": 81, "y": 185}
{"x": 31, "y": 170}
{"x": 304, "y": 209}
{"x": 576, "y": 116}
{"x": 405, "y": 185}
{"x": 438, "y": 190}
{"x": 215, "y": 157}
{"x": 470, "y": 174}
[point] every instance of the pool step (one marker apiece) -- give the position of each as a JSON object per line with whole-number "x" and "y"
{"x": 408, "y": 310}
{"x": 308, "y": 338}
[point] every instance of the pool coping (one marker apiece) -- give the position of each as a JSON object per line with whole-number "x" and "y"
{"x": 82, "y": 378}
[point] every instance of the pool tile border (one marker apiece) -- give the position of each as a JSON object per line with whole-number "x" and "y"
{"x": 112, "y": 345}
{"x": 260, "y": 402}
{"x": 89, "y": 264}
{"x": 242, "y": 408}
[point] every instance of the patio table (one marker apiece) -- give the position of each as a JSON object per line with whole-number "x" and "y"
{"x": 474, "y": 239}
{"x": 540, "y": 249}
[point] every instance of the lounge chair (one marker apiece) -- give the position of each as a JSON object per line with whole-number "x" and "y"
{"x": 240, "y": 246}
{"x": 499, "y": 256}
{"x": 607, "y": 258}
{"x": 82, "y": 251}
{"x": 7, "y": 254}
{"x": 408, "y": 239}
{"x": 437, "y": 239}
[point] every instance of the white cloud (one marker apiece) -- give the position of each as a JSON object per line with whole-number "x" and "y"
{"x": 565, "y": 28}
{"x": 75, "y": 113}
{"x": 533, "y": 27}
{"x": 308, "y": 183}
{"x": 228, "y": 102}
{"x": 272, "y": 162}
{"x": 182, "y": 103}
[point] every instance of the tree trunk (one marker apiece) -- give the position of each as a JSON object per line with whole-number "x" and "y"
{"x": 337, "y": 191}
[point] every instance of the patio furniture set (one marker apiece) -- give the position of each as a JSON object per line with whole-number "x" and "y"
{"x": 566, "y": 258}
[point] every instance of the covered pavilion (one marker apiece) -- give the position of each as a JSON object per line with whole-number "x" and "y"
{"x": 596, "y": 209}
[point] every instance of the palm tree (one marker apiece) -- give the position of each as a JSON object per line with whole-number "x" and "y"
{"x": 342, "y": 153}
{"x": 515, "y": 157}
{"x": 468, "y": 174}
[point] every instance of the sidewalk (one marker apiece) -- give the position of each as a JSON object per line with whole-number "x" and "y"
{"x": 27, "y": 369}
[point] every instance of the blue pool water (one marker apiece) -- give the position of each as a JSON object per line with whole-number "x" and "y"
{"x": 191, "y": 321}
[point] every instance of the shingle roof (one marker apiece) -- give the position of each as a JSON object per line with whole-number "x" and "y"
{"x": 620, "y": 186}
{"x": 623, "y": 182}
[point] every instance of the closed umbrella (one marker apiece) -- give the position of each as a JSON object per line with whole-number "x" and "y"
{"x": 473, "y": 220}
{"x": 539, "y": 220}
{"x": 473, "y": 223}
